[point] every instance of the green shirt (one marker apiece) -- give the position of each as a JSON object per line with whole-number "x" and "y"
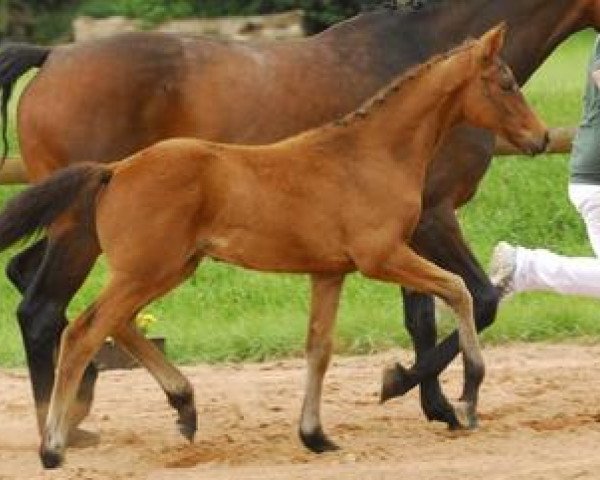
{"x": 585, "y": 155}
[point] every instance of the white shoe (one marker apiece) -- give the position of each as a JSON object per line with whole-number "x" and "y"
{"x": 502, "y": 268}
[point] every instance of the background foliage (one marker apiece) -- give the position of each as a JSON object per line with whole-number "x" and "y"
{"x": 49, "y": 21}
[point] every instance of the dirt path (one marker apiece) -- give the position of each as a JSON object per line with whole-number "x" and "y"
{"x": 540, "y": 419}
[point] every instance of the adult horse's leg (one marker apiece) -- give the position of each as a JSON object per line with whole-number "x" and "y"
{"x": 439, "y": 238}
{"x": 407, "y": 268}
{"x": 324, "y": 304}
{"x": 177, "y": 387}
{"x": 66, "y": 261}
{"x": 419, "y": 317}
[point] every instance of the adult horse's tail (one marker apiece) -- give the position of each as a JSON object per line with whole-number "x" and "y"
{"x": 38, "y": 206}
{"x": 15, "y": 60}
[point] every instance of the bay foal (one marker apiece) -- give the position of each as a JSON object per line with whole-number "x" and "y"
{"x": 327, "y": 202}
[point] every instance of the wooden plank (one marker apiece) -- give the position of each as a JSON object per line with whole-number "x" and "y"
{"x": 561, "y": 140}
{"x": 13, "y": 172}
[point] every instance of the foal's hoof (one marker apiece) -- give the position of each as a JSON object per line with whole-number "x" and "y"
{"x": 393, "y": 383}
{"x": 466, "y": 416}
{"x": 50, "y": 458}
{"x": 317, "y": 442}
{"x": 188, "y": 424}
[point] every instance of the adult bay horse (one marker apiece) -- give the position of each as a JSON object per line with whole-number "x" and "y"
{"x": 326, "y": 202}
{"x": 104, "y": 100}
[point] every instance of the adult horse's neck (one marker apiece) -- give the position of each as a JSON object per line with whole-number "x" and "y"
{"x": 398, "y": 39}
{"x": 407, "y": 120}
{"x": 537, "y": 27}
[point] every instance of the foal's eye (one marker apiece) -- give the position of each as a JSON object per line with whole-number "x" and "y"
{"x": 507, "y": 86}
{"x": 507, "y": 83}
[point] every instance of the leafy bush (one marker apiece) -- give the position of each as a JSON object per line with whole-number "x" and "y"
{"x": 48, "y": 21}
{"x": 319, "y": 13}
{"x": 152, "y": 11}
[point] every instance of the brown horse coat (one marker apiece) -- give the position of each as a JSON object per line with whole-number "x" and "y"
{"x": 339, "y": 198}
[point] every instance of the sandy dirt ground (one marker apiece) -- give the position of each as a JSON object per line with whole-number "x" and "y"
{"x": 539, "y": 415}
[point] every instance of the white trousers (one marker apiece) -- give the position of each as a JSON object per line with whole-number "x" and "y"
{"x": 543, "y": 270}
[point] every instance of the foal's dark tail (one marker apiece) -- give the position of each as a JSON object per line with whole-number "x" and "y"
{"x": 15, "y": 60}
{"x": 74, "y": 187}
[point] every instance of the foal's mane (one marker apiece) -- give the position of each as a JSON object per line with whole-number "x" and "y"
{"x": 400, "y": 82}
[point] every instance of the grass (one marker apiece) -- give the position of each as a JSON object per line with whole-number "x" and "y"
{"x": 224, "y": 313}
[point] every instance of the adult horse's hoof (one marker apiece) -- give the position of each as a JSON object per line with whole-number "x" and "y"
{"x": 394, "y": 382}
{"x": 317, "y": 442}
{"x": 50, "y": 458}
{"x": 466, "y": 416}
{"x": 436, "y": 407}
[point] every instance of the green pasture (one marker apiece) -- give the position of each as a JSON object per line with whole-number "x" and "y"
{"x": 225, "y": 313}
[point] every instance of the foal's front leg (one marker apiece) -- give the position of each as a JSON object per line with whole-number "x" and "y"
{"x": 440, "y": 240}
{"x": 325, "y": 297}
{"x": 406, "y": 268}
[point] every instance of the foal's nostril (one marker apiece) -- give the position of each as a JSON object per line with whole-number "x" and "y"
{"x": 541, "y": 144}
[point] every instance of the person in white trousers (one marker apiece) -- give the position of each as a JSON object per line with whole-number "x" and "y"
{"x": 517, "y": 269}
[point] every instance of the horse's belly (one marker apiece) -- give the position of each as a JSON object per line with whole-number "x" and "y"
{"x": 272, "y": 255}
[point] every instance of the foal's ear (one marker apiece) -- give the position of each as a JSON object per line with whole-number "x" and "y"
{"x": 492, "y": 41}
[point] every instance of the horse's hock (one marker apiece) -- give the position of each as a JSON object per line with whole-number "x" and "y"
{"x": 267, "y": 27}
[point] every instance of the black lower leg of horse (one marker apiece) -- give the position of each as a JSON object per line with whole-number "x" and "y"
{"x": 419, "y": 317}
{"x": 66, "y": 263}
{"x": 439, "y": 239}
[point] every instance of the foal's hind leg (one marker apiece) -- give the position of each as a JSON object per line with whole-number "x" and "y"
{"x": 178, "y": 389}
{"x": 324, "y": 304}
{"x": 80, "y": 341}
{"x": 117, "y": 305}
{"x": 406, "y": 268}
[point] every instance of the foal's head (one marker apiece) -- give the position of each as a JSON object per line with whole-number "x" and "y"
{"x": 493, "y": 99}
